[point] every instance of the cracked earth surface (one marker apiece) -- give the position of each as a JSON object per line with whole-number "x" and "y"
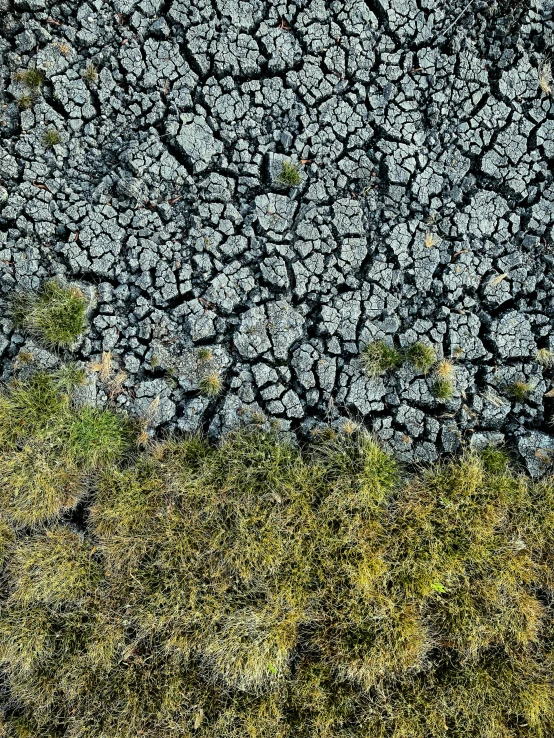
{"x": 425, "y": 210}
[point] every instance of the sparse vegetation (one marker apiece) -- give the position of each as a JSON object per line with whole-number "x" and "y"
{"x": 51, "y": 138}
{"x": 379, "y": 358}
{"x": 422, "y": 356}
{"x": 211, "y": 384}
{"x": 253, "y": 589}
{"x": 443, "y": 389}
{"x": 55, "y": 314}
{"x": 90, "y": 73}
{"x": 519, "y": 390}
{"x": 289, "y": 176}
{"x": 445, "y": 369}
{"x": 545, "y": 76}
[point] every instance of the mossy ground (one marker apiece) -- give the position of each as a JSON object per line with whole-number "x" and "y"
{"x": 259, "y": 590}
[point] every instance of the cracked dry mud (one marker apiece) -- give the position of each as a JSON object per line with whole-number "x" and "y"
{"x": 425, "y": 209}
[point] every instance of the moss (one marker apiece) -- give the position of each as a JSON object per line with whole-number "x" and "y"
{"x": 55, "y": 314}
{"x": 422, "y": 356}
{"x": 289, "y": 175}
{"x": 379, "y": 358}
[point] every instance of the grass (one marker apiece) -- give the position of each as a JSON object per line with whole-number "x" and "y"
{"x": 443, "y": 389}
{"x": 289, "y": 175}
{"x": 204, "y": 354}
{"x": 422, "y": 356}
{"x": 90, "y": 73}
{"x": 32, "y": 78}
{"x": 257, "y": 589}
{"x": 545, "y": 358}
{"x": 519, "y": 390}
{"x": 379, "y": 358}
{"x": 211, "y": 384}
{"x": 55, "y": 314}
{"x": 51, "y": 138}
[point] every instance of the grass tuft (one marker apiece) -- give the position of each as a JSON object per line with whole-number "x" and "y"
{"x": 90, "y": 73}
{"x": 379, "y": 358}
{"x": 55, "y": 314}
{"x": 289, "y": 175}
{"x": 211, "y": 385}
{"x": 443, "y": 389}
{"x": 545, "y": 358}
{"x": 422, "y": 356}
{"x": 32, "y": 78}
{"x": 519, "y": 390}
{"x": 51, "y": 138}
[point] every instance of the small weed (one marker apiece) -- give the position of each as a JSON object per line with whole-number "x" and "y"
{"x": 51, "y": 138}
{"x": 519, "y": 390}
{"x": 25, "y": 357}
{"x": 379, "y": 358}
{"x": 422, "y": 356}
{"x": 495, "y": 459}
{"x": 65, "y": 48}
{"x": 90, "y": 73}
{"x": 289, "y": 175}
{"x": 443, "y": 389}
{"x": 55, "y": 314}
{"x": 211, "y": 385}
{"x": 545, "y": 358}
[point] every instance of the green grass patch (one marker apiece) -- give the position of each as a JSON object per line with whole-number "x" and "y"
{"x": 289, "y": 175}
{"x": 55, "y": 314}
{"x": 259, "y": 589}
{"x": 380, "y": 358}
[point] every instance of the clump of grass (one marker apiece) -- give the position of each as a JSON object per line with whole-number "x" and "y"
{"x": 443, "y": 389}
{"x": 55, "y": 314}
{"x": 25, "y": 102}
{"x": 519, "y": 390}
{"x": 289, "y": 175}
{"x": 422, "y": 356}
{"x": 545, "y": 358}
{"x": 545, "y": 76}
{"x": 379, "y": 358}
{"x": 445, "y": 369}
{"x": 211, "y": 384}
{"x": 204, "y": 354}
{"x": 32, "y": 78}
{"x": 51, "y": 138}
{"x": 90, "y": 73}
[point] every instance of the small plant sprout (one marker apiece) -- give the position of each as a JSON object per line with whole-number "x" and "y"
{"x": 51, "y": 138}
{"x": 211, "y": 385}
{"x": 55, "y": 314}
{"x": 24, "y": 358}
{"x": 422, "y": 356}
{"x": 289, "y": 175}
{"x": 379, "y": 358}
{"x": 519, "y": 390}
{"x": 90, "y": 73}
{"x": 204, "y": 354}
{"x": 545, "y": 76}
{"x": 545, "y": 358}
{"x": 443, "y": 389}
